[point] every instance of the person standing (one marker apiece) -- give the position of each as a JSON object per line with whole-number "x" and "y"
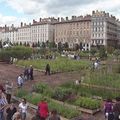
{"x": 3, "y": 104}
{"x": 26, "y": 75}
{"x": 43, "y": 109}
{"x": 20, "y": 80}
{"x": 108, "y": 108}
{"x": 47, "y": 69}
{"x": 31, "y": 72}
{"x": 10, "y": 111}
{"x": 116, "y": 109}
{"x": 8, "y": 88}
{"x": 23, "y": 109}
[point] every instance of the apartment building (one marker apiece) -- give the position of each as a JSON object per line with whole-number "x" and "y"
{"x": 41, "y": 31}
{"x": 74, "y": 31}
{"x": 104, "y": 29}
{"x": 100, "y": 28}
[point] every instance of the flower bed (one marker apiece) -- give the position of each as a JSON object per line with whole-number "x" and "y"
{"x": 66, "y": 112}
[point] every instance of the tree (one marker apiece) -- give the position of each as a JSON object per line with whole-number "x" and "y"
{"x": 66, "y": 46}
{"x": 43, "y": 45}
{"x": 102, "y": 52}
{"x": 25, "y": 44}
{"x": 28, "y": 45}
{"x": 18, "y": 52}
{"x": 117, "y": 53}
{"x": 38, "y": 44}
{"x": 93, "y": 51}
{"x": 20, "y": 43}
{"x": 60, "y": 47}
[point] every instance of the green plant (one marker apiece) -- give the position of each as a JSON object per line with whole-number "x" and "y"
{"x": 21, "y": 93}
{"x": 87, "y": 103}
{"x": 62, "y": 94}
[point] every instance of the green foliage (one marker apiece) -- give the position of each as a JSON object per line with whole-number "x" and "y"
{"x": 59, "y": 64}
{"x": 88, "y": 91}
{"x": 21, "y": 93}
{"x": 19, "y": 52}
{"x": 43, "y": 89}
{"x": 116, "y": 52}
{"x": 62, "y": 94}
{"x": 39, "y": 88}
{"x": 87, "y": 103}
{"x": 110, "y": 50}
{"x": 93, "y": 51}
{"x": 64, "y": 111}
{"x": 102, "y": 52}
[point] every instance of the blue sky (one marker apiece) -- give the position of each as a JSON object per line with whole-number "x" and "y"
{"x": 16, "y": 11}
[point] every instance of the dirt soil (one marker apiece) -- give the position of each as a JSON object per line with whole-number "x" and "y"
{"x": 11, "y": 72}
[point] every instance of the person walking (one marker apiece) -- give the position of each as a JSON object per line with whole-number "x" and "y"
{"x": 108, "y": 110}
{"x": 10, "y": 111}
{"x": 26, "y": 74}
{"x": 23, "y": 109}
{"x": 43, "y": 109}
{"x": 8, "y": 91}
{"x": 116, "y": 109}
{"x": 47, "y": 69}
{"x": 30, "y": 72}
{"x": 20, "y": 80}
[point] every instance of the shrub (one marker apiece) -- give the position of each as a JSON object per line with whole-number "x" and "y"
{"x": 19, "y": 52}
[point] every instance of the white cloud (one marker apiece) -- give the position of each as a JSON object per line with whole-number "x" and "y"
{"x": 7, "y": 19}
{"x": 34, "y": 9}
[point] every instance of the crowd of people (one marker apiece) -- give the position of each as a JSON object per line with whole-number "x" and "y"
{"x": 28, "y": 74}
{"x": 13, "y": 111}
{"x": 25, "y": 76}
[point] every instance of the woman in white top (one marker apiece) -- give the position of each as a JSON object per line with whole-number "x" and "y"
{"x": 23, "y": 108}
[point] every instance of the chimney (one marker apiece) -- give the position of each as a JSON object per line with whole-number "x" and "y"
{"x": 93, "y": 12}
{"x": 73, "y": 17}
{"x": 24, "y": 24}
{"x": 58, "y": 19}
{"x": 66, "y": 18}
{"x": 21, "y": 24}
{"x": 12, "y": 26}
{"x": 62, "y": 19}
{"x": 33, "y": 21}
{"x": 40, "y": 19}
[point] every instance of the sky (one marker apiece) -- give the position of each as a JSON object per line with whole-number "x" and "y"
{"x": 16, "y": 11}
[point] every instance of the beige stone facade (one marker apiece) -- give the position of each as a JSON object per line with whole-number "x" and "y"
{"x": 74, "y": 31}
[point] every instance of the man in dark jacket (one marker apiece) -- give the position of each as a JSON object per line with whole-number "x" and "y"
{"x": 47, "y": 69}
{"x": 31, "y": 73}
{"x": 116, "y": 109}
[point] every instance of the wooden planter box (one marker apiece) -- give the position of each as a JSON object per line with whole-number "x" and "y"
{"x": 32, "y": 106}
{"x": 78, "y": 108}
